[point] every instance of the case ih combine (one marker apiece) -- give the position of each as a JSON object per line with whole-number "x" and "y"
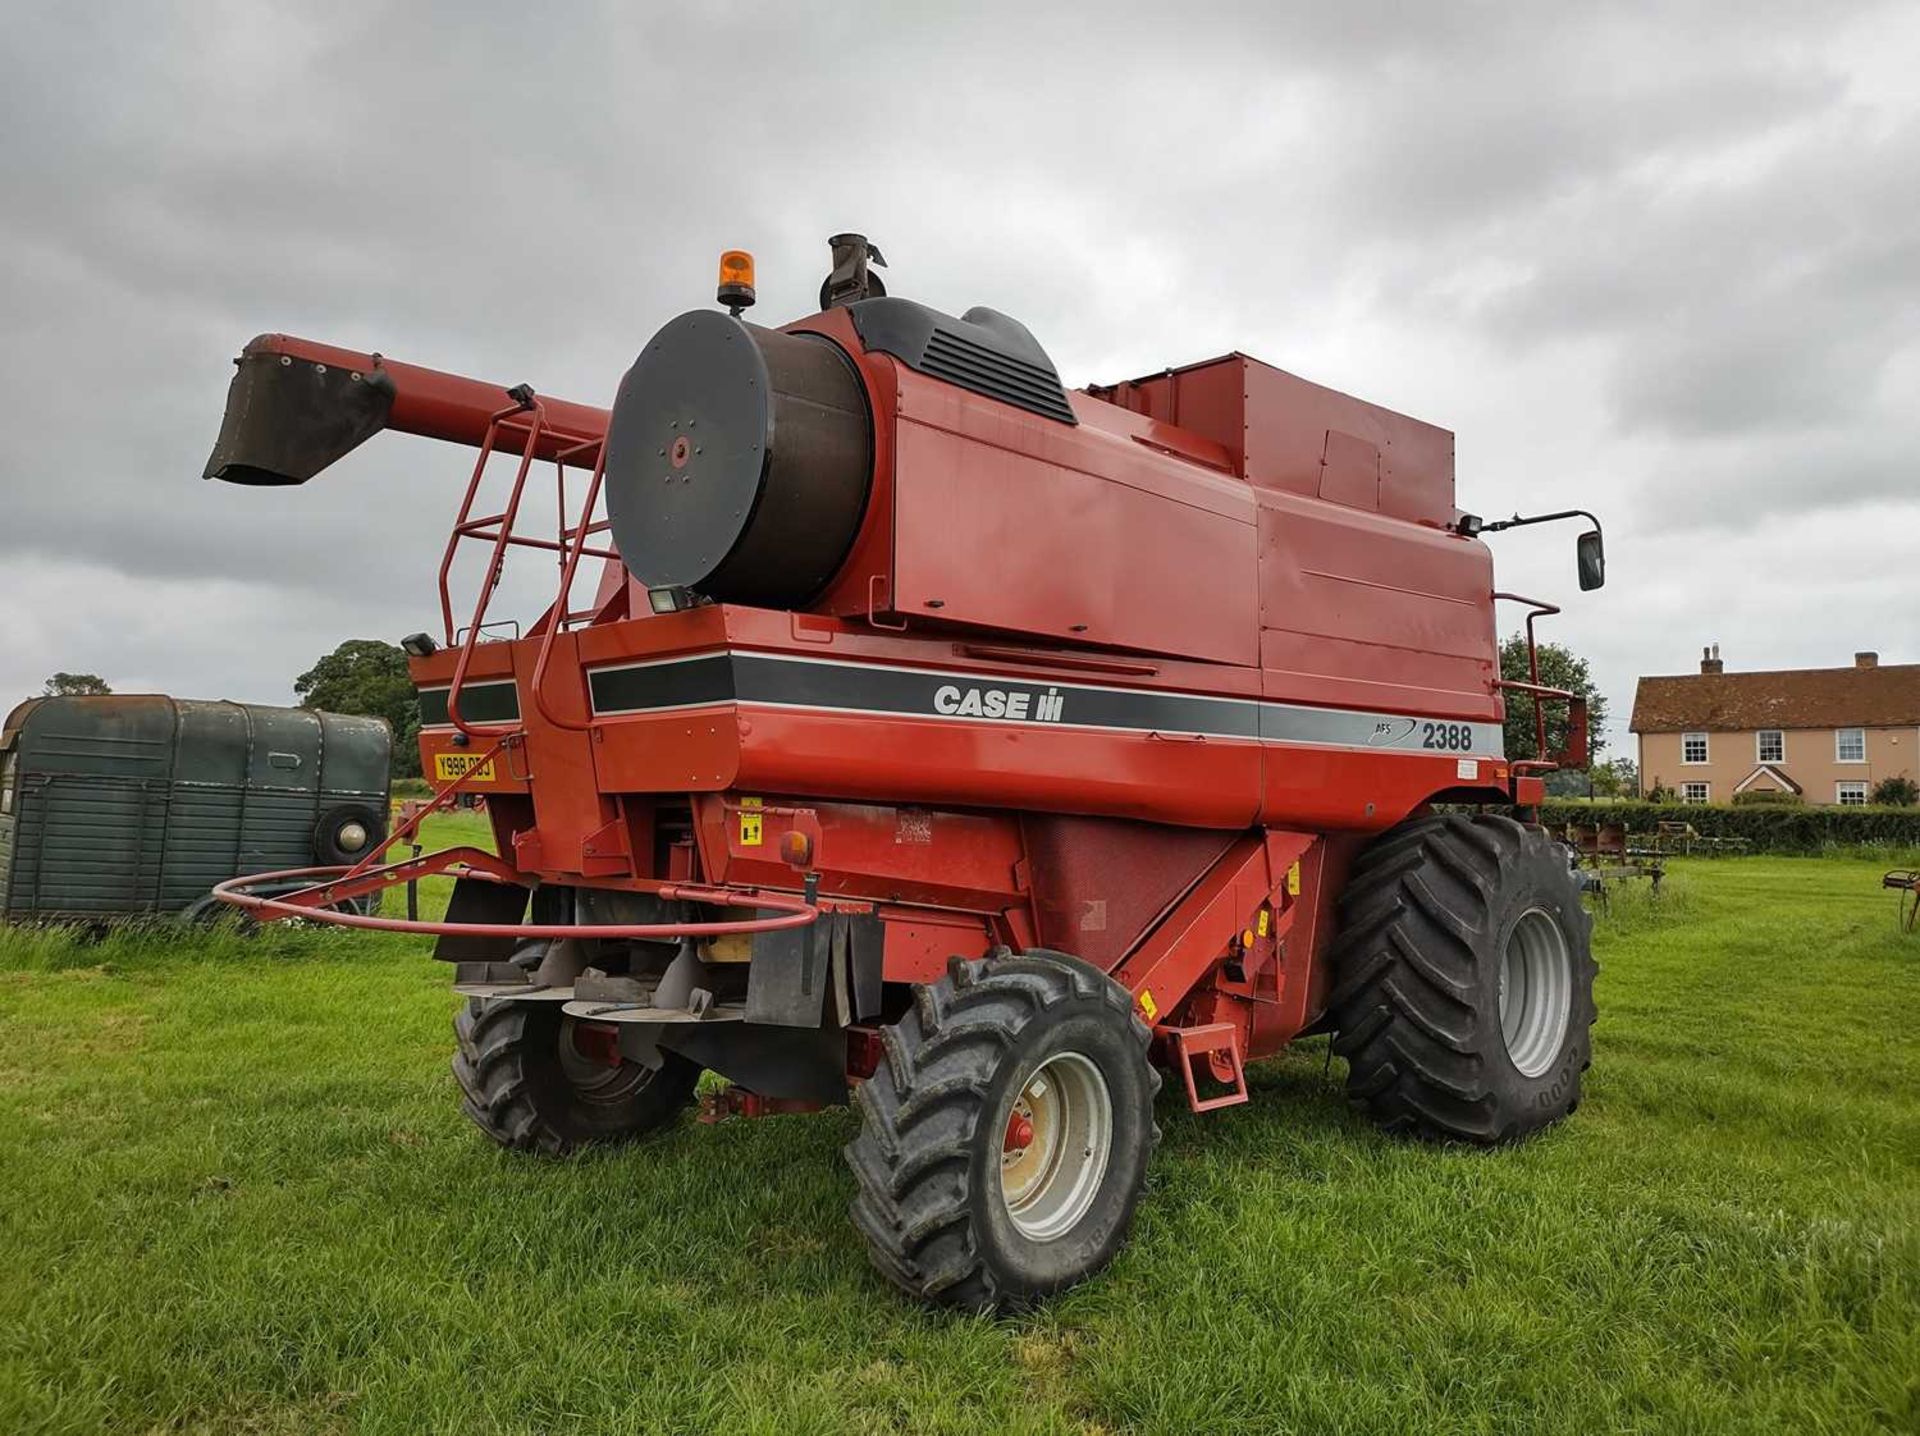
{"x": 943, "y": 739}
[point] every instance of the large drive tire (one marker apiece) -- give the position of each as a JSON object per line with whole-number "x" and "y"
{"x": 522, "y": 1083}
{"x": 1005, "y": 1138}
{"x": 1463, "y": 980}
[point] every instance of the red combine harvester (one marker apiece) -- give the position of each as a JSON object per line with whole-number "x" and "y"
{"x": 943, "y": 738}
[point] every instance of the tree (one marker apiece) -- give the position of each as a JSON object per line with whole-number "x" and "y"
{"x": 1568, "y": 783}
{"x": 368, "y": 677}
{"x": 1559, "y": 668}
{"x": 1900, "y": 792}
{"x": 76, "y": 685}
{"x": 1616, "y": 778}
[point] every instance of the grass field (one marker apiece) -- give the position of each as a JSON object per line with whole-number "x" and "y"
{"x": 236, "y": 1194}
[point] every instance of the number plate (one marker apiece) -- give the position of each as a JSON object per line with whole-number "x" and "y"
{"x": 448, "y": 766}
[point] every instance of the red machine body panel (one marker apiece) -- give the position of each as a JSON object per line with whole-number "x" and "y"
{"x": 1007, "y": 521}
{"x": 718, "y": 697}
{"x": 1283, "y": 432}
{"x": 1362, "y": 610}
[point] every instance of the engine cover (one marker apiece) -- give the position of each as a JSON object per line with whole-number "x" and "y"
{"x": 739, "y": 460}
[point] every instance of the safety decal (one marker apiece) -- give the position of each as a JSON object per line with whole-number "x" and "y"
{"x": 837, "y": 686}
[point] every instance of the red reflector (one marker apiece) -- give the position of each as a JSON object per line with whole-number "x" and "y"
{"x": 864, "y": 1051}
{"x": 597, "y": 1042}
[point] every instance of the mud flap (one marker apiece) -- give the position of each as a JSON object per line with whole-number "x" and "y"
{"x": 787, "y": 978}
{"x": 479, "y": 901}
{"x": 796, "y": 970}
{"x": 775, "y": 1062}
{"x": 866, "y": 944}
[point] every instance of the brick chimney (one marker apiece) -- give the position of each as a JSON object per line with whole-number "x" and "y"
{"x": 1710, "y": 659}
{"x": 1866, "y": 660}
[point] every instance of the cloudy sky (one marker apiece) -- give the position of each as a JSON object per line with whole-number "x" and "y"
{"x": 1661, "y": 261}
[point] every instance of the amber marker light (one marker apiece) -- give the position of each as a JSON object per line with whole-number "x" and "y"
{"x": 736, "y": 281}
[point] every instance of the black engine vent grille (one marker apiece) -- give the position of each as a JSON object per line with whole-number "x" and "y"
{"x": 1001, "y": 376}
{"x": 983, "y": 351}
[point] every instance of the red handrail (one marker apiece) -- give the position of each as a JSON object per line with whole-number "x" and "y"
{"x": 328, "y": 883}
{"x": 1538, "y": 608}
{"x": 409, "y": 826}
{"x": 496, "y": 560}
{"x": 527, "y": 413}
{"x": 558, "y": 616}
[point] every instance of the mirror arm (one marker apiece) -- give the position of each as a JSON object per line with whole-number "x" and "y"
{"x": 1471, "y": 524}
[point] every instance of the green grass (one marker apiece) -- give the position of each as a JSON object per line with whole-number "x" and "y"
{"x": 236, "y": 1195}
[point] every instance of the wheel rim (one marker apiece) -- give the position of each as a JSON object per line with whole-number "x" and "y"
{"x": 592, "y": 1080}
{"x": 1536, "y": 992}
{"x": 1054, "y": 1151}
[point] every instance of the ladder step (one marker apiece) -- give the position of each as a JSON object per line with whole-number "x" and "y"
{"x": 1214, "y": 1041}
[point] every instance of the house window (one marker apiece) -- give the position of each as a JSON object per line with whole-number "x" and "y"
{"x": 1773, "y": 746}
{"x": 1850, "y": 745}
{"x": 1850, "y": 795}
{"x": 1693, "y": 747}
{"x": 1693, "y": 792}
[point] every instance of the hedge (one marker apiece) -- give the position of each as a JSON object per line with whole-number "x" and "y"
{"x": 1806, "y": 829}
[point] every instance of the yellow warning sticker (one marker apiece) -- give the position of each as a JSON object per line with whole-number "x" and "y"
{"x": 1148, "y": 1005}
{"x": 448, "y": 766}
{"x": 1293, "y": 880}
{"x": 752, "y": 823}
{"x": 1265, "y": 924}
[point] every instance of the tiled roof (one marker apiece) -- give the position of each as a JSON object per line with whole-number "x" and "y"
{"x": 1884, "y": 697}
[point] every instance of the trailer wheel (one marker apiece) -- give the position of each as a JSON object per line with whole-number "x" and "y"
{"x": 1464, "y": 980}
{"x": 524, "y": 1083}
{"x": 1004, "y": 1140}
{"x": 343, "y": 834}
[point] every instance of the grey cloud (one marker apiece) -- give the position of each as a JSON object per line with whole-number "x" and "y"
{"x": 1740, "y": 486}
{"x": 1664, "y": 260}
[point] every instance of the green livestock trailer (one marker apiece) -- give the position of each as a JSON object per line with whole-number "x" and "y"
{"x": 122, "y": 806}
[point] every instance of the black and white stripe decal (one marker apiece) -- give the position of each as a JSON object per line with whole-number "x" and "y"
{"x": 494, "y": 702}
{"x": 836, "y": 686}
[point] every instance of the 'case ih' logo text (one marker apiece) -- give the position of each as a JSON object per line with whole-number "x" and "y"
{"x": 1014, "y": 703}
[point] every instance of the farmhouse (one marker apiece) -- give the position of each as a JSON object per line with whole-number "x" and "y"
{"x": 1827, "y": 735}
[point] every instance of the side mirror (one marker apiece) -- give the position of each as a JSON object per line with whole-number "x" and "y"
{"x": 1591, "y": 552}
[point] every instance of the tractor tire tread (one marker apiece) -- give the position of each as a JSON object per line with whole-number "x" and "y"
{"x": 492, "y": 1066}
{"x": 921, "y": 1109}
{"x": 488, "y": 1066}
{"x": 1402, "y": 1004}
